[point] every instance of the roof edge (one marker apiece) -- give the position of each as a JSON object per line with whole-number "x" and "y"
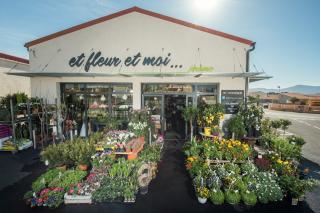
{"x": 14, "y": 58}
{"x": 142, "y": 11}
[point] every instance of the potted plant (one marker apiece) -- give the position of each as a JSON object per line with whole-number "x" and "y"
{"x": 249, "y": 198}
{"x": 232, "y": 197}
{"x": 189, "y": 115}
{"x": 203, "y": 194}
{"x": 236, "y": 126}
{"x": 217, "y": 196}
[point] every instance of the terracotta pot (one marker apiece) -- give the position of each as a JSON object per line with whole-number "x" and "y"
{"x": 141, "y": 139}
{"x": 207, "y": 131}
{"x": 83, "y": 167}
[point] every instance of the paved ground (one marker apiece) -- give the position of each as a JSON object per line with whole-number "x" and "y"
{"x": 171, "y": 191}
{"x": 305, "y": 125}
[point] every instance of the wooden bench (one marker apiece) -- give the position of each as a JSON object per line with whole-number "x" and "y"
{"x": 133, "y": 147}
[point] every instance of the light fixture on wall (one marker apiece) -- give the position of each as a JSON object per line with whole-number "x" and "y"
{"x": 103, "y": 98}
{"x": 81, "y": 97}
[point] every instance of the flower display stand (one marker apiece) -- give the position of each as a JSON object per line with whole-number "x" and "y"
{"x": 76, "y": 199}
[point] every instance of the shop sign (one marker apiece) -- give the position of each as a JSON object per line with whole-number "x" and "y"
{"x": 97, "y": 59}
{"x": 231, "y": 99}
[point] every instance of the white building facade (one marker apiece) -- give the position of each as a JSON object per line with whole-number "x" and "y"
{"x": 136, "y": 59}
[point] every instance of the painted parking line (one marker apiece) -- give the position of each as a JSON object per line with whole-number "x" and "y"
{"x": 303, "y": 122}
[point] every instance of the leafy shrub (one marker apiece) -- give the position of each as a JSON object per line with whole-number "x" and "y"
{"x": 46, "y": 178}
{"x": 296, "y": 140}
{"x": 232, "y": 196}
{"x": 217, "y": 197}
{"x": 285, "y": 149}
{"x": 296, "y": 187}
{"x": 70, "y": 153}
{"x": 236, "y": 125}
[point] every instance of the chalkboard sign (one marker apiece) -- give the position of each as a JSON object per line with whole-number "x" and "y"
{"x": 231, "y": 99}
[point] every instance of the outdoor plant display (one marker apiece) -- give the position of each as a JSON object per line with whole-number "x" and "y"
{"x": 49, "y": 188}
{"x": 209, "y": 117}
{"x": 252, "y": 115}
{"x": 110, "y": 179}
{"x": 70, "y": 153}
{"x": 236, "y": 127}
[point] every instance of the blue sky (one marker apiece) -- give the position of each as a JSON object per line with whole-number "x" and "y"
{"x": 287, "y": 32}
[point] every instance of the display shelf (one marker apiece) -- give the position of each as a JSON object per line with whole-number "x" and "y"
{"x": 3, "y": 140}
{"x": 26, "y": 145}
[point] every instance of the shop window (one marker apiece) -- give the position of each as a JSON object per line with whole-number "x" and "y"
{"x": 167, "y": 88}
{"x": 206, "y": 100}
{"x": 207, "y": 88}
{"x": 121, "y": 105}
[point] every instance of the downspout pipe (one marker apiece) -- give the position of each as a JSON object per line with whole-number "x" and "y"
{"x": 253, "y": 46}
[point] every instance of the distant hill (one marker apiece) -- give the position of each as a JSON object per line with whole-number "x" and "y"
{"x": 303, "y": 89}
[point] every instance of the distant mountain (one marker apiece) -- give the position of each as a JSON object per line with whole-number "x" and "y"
{"x": 303, "y": 89}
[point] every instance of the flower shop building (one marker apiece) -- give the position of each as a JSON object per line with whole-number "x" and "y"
{"x": 136, "y": 59}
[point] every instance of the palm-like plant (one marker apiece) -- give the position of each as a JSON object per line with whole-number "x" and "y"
{"x": 189, "y": 114}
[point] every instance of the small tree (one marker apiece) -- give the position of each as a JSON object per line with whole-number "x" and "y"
{"x": 236, "y": 127}
{"x": 276, "y": 124}
{"x": 285, "y": 123}
{"x": 189, "y": 114}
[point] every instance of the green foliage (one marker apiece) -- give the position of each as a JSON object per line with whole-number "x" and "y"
{"x": 276, "y": 124}
{"x": 236, "y": 125}
{"x": 67, "y": 179}
{"x": 190, "y": 113}
{"x": 285, "y": 123}
{"x": 217, "y": 197}
{"x": 296, "y": 140}
{"x": 251, "y": 115}
{"x": 248, "y": 168}
{"x": 46, "y": 178}
{"x": 266, "y": 188}
{"x": 249, "y": 198}
{"x": 151, "y": 153}
{"x": 232, "y": 196}
{"x": 56, "y": 199}
{"x": 70, "y": 153}
{"x": 296, "y": 187}
{"x": 285, "y": 149}
{"x": 192, "y": 147}
{"x": 17, "y": 98}
{"x": 121, "y": 181}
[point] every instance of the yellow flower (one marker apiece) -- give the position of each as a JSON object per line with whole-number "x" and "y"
{"x": 279, "y": 161}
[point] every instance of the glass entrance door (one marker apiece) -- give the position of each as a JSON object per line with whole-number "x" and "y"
{"x": 154, "y": 104}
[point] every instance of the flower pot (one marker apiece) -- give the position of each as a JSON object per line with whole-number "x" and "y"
{"x": 143, "y": 190}
{"x": 83, "y": 167}
{"x": 202, "y": 200}
{"x": 294, "y": 201}
{"x": 207, "y": 131}
{"x": 141, "y": 139}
